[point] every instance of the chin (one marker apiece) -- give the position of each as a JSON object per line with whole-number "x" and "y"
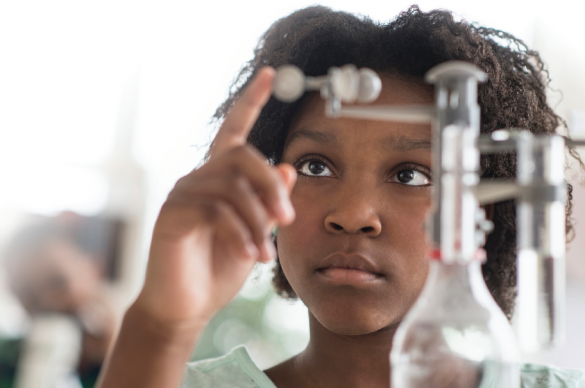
{"x": 348, "y": 328}
{"x": 354, "y": 317}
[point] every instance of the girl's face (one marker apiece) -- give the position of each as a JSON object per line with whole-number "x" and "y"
{"x": 355, "y": 254}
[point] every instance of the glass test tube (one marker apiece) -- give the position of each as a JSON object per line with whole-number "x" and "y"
{"x": 541, "y": 242}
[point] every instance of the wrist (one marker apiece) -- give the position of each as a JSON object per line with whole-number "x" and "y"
{"x": 171, "y": 334}
{"x": 148, "y": 353}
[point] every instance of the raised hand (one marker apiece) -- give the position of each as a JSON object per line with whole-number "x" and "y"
{"x": 216, "y": 222}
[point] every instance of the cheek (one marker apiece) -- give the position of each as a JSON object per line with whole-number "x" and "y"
{"x": 304, "y": 236}
{"x": 407, "y": 236}
{"x": 405, "y": 222}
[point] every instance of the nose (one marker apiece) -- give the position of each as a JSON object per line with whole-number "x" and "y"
{"x": 352, "y": 214}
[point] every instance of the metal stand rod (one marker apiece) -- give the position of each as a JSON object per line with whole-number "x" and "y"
{"x": 408, "y": 114}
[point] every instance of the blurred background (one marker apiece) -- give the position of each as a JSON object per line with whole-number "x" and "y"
{"x": 104, "y": 105}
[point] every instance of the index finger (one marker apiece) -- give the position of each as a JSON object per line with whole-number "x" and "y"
{"x": 240, "y": 119}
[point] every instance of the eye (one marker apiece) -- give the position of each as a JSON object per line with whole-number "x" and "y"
{"x": 314, "y": 168}
{"x": 412, "y": 177}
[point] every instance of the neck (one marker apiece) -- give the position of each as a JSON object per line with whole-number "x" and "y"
{"x": 336, "y": 360}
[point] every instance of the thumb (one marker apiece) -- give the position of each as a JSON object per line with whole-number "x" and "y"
{"x": 288, "y": 174}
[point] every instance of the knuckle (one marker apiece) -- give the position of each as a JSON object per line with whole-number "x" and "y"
{"x": 249, "y": 151}
{"x": 239, "y": 184}
{"x": 213, "y": 210}
{"x": 175, "y": 208}
{"x": 174, "y": 199}
{"x": 184, "y": 182}
{"x": 240, "y": 151}
{"x": 168, "y": 207}
{"x": 257, "y": 154}
{"x": 179, "y": 183}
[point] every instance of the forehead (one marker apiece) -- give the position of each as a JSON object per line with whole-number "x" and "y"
{"x": 312, "y": 124}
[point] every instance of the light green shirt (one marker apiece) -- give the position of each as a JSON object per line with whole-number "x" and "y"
{"x": 237, "y": 370}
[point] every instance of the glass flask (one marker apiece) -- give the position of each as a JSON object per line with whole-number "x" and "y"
{"x": 455, "y": 336}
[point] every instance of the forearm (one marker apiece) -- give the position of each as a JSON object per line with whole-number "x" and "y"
{"x": 146, "y": 355}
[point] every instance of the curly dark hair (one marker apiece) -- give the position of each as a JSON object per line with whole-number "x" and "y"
{"x": 317, "y": 38}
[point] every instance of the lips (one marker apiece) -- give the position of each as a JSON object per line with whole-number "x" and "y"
{"x": 349, "y": 269}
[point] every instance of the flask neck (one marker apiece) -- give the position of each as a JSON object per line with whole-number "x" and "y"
{"x": 458, "y": 288}
{"x": 455, "y": 274}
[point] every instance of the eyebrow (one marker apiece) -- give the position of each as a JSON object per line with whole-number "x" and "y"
{"x": 400, "y": 144}
{"x": 316, "y": 136}
{"x": 405, "y": 144}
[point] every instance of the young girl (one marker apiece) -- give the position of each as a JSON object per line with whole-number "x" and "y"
{"x": 349, "y": 197}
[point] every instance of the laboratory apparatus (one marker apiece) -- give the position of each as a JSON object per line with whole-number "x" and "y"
{"x": 455, "y": 335}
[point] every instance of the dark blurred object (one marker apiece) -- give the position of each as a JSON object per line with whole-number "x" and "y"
{"x": 10, "y": 349}
{"x": 59, "y": 269}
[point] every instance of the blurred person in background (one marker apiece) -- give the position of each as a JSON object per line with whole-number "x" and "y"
{"x": 57, "y": 270}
